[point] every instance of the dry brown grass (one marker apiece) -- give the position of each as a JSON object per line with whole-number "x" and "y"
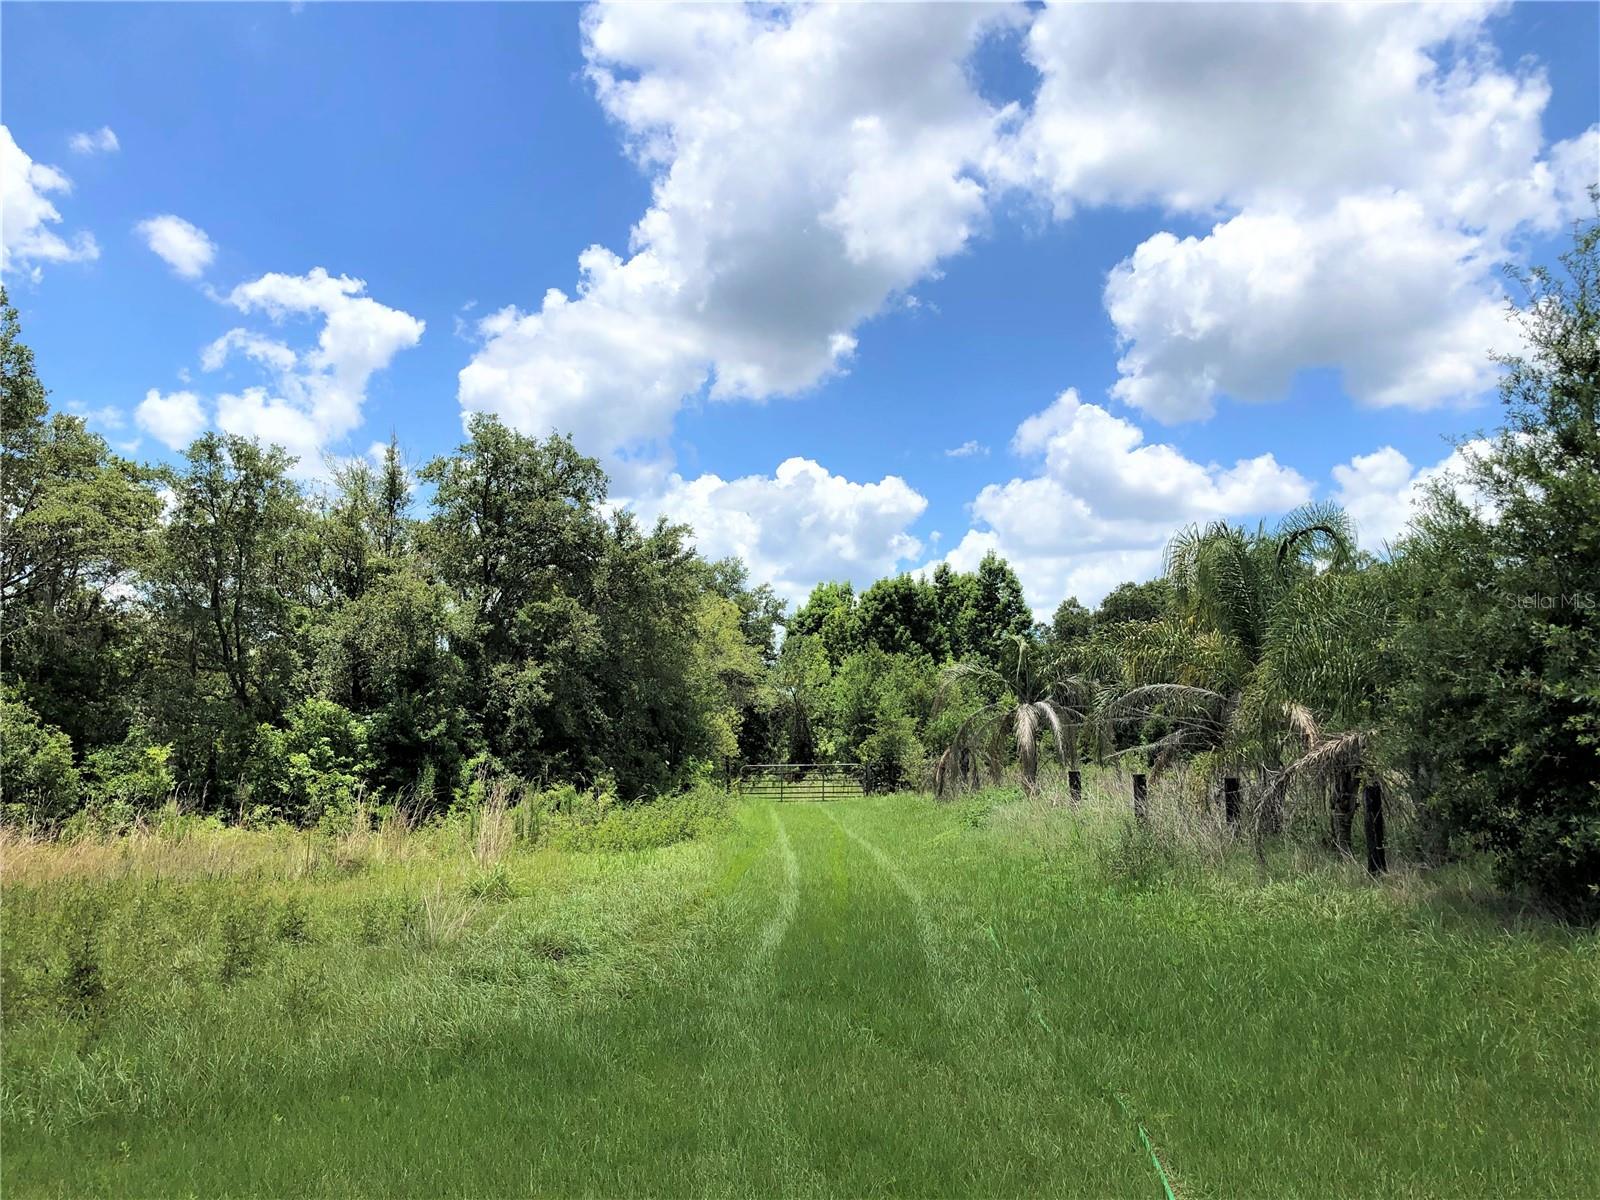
{"x": 494, "y": 830}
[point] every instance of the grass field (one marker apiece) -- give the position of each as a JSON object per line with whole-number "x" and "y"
{"x": 872, "y": 997}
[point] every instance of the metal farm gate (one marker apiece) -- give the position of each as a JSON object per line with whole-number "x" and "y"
{"x": 798, "y": 781}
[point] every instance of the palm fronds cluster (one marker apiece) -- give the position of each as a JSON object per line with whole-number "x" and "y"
{"x": 1265, "y": 664}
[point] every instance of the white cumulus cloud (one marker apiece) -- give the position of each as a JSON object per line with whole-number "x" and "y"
{"x": 1103, "y": 502}
{"x": 1370, "y": 165}
{"x": 27, "y": 214}
{"x": 314, "y": 398}
{"x": 174, "y": 419}
{"x": 1406, "y": 308}
{"x": 807, "y": 165}
{"x": 1383, "y": 492}
{"x": 798, "y": 526}
{"x": 101, "y": 141}
{"x": 182, "y": 246}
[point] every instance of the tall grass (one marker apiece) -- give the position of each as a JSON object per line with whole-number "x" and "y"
{"x": 879, "y": 996}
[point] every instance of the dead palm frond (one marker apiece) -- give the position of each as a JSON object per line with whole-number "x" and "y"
{"x": 1033, "y": 698}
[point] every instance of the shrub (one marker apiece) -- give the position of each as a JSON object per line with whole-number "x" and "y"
{"x": 41, "y": 784}
{"x": 1498, "y": 693}
{"x": 136, "y": 774}
{"x": 311, "y": 772}
{"x": 595, "y": 822}
{"x": 1137, "y": 859}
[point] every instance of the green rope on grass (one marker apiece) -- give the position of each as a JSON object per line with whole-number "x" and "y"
{"x": 1148, "y": 1148}
{"x": 1166, "y": 1185}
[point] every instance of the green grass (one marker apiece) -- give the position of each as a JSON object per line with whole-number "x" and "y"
{"x": 880, "y": 996}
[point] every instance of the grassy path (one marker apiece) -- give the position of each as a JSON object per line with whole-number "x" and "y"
{"x": 871, "y": 998}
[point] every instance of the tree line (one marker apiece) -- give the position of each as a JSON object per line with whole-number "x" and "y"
{"x": 217, "y": 631}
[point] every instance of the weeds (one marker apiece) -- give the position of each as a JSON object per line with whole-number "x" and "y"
{"x": 494, "y": 885}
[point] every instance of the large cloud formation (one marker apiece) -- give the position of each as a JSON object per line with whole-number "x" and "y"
{"x": 1372, "y": 163}
{"x": 806, "y": 166}
{"x": 1362, "y": 170}
{"x": 799, "y": 525}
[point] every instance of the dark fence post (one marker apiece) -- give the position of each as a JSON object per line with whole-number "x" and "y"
{"x": 1230, "y": 800}
{"x": 727, "y": 773}
{"x": 1140, "y": 809}
{"x": 1075, "y": 787}
{"x": 1344, "y": 810}
{"x": 1377, "y": 857}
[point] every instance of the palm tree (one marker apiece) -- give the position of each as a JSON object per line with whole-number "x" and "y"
{"x": 1207, "y": 676}
{"x": 1323, "y": 667}
{"x": 1029, "y": 697}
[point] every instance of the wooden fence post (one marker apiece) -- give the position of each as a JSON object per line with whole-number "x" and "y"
{"x": 1140, "y": 809}
{"x": 1377, "y": 856}
{"x": 1075, "y": 787}
{"x": 1344, "y": 810}
{"x": 1230, "y": 800}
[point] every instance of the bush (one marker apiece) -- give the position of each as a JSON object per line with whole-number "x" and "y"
{"x": 41, "y": 784}
{"x": 312, "y": 772}
{"x": 1498, "y": 688}
{"x": 135, "y": 775}
{"x": 594, "y": 821}
{"x": 493, "y": 884}
{"x": 1137, "y": 860}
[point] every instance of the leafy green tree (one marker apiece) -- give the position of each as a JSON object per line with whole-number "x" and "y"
{"x": 75, "y": 525}
{"x": 954, "y": 595}
{"x": 654, "y": 719}
{"x": 1129, "y": 602}
{"x": 515, "y": 519}
{"x": 1070, "y": 624}
{"x": 364, "y": 527}
{"x": 311, "y": 771}
{"x": 900, "y": 615}
{"x": 829, "y": 616}
{"x": 999, "y": 614}
{"x": 760, "y": 608}
{"x": 229, "y": 583}
{"x": 1498, "y": 697}
{"x": 388, "y": 656}
{"x": 730, "y": 675}
{"x": 131, "y": 777}
{"x": 800, "y": 681}
{"x": 517, "y": 536}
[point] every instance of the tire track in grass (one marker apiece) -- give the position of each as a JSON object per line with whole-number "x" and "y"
{"x": 927, "y": 932}
{"x": 777, "y": 925}
{"x": 738, "y": 1014}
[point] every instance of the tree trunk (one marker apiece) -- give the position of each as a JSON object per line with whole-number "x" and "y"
{"x": 1343, "y": 810}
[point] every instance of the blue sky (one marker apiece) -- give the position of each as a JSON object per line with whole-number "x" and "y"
{"x": 827, "y": 239}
